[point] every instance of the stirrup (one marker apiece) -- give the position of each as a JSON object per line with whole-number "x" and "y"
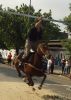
{"x": 31, "y": 50}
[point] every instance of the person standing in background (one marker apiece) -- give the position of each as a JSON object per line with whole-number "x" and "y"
{"x": 9, "y": 58}
{"x": 49, "y": 64}
{"x": 63, "y": 65}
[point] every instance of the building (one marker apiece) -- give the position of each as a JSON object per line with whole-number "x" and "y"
{"x": 69, "y": 35}
{"x": 57, "y": 50}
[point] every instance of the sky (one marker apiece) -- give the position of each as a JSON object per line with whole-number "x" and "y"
{"x": 59, "y": 8}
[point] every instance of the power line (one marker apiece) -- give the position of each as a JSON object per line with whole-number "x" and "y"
{"x": 28, "y": 15}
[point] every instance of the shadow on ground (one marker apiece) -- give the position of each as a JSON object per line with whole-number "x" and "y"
{"x": 50, "y": 97}
{"x": 7, "y": 71}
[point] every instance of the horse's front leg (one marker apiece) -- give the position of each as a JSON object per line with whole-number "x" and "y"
{"x": 30, "y": 81}
{"x": 42, "y": 82}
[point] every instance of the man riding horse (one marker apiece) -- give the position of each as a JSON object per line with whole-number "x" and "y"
{"x": 34, "y": 38}
{"x": 32, "y": 62}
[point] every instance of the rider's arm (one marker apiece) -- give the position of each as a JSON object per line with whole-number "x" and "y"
{"x": 39, "y": 22}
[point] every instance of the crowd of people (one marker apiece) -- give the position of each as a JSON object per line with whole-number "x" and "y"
{"x": 65, "y": 65}
{"x": 6, "y": 56}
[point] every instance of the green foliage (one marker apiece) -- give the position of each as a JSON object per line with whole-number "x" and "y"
{"x": 67, "y": 20}
{"x": 67, "y": 45}
{"x": 70, "y": 6}
{"x": 13, "y": 29}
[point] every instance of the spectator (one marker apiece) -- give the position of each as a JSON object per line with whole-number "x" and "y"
{"x": 66, "y": 67}
{"x": 69, "y": 65}
{"x": 49, "y": 64}
{"x": 63, "y": 65}
{"x": 0, "y": 57}
{"x": 9, "y": 58}
{"x": 52, "y": 64}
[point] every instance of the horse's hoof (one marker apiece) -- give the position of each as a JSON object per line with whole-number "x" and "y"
{"x": 23, "y": 79}
{"x": 33, "y": 89}
{"x": 39, "y": 88}
{"x": 28, "y": 83}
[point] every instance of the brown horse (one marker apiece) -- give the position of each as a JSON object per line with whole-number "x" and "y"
{"x": 33, "y": 67}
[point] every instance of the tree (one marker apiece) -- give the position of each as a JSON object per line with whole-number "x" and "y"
{"x": 67, "y": 20}
{"x": 13, "y": 28}
{"x": 67, "y": 45}
{"x": 51, "y": 30}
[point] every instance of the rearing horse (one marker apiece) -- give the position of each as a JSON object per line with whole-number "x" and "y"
{"x": 33, "y": 67}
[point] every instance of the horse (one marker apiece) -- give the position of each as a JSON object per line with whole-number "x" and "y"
{"x": 33, "y": 66}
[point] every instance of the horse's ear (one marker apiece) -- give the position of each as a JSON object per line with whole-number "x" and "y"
{"x": 44, "y": 42}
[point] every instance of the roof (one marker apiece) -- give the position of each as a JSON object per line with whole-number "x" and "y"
{"x": 55, "y": 43}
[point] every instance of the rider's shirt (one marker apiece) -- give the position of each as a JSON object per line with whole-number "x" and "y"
{"x": 35, "y": 35}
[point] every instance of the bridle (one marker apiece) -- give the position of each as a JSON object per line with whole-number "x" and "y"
{"x": 41, "y": 49}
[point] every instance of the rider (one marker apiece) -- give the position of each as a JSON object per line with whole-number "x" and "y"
{"x": 34, "y": 37}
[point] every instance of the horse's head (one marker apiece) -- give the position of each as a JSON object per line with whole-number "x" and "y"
{"x": 42, "y": 49}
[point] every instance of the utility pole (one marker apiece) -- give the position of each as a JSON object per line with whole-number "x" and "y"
{"x": 30, "y": 3}
{"x": 30, "y": 7}
{"x": 29, "y": 12}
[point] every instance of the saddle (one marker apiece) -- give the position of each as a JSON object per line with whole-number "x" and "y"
{"x": 27, "y": 59}
{"x": 34, "y": 59}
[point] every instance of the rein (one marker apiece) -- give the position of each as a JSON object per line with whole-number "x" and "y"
{"x": 42, "y": 51}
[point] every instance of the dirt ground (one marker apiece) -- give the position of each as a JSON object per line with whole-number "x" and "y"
{"x": 21, "y": 91}
{"x": 56, "y": 87}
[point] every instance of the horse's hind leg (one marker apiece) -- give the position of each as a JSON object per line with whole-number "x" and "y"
{"x": 42, "y": 82}
{"x": 18, "y": 70}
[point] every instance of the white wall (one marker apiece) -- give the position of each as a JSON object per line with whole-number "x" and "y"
{"x": 69, "y": 36}
{"x": 6, "y": 52}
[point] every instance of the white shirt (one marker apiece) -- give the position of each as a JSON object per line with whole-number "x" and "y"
{"x": 49, "y": 63}
{"x": 66, "y": 64}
